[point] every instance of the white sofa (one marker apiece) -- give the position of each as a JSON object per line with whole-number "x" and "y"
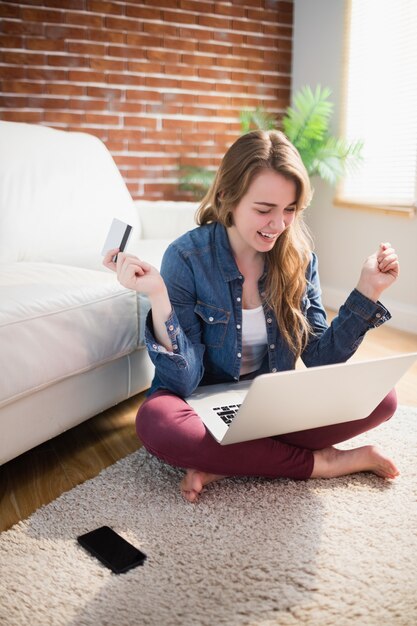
{"x": 71, "y": 338}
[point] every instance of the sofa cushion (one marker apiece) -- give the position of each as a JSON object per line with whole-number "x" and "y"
{"x": 59, "y": 192}
{"x": 166, "y": 219}
{"x": 56, "y": 321}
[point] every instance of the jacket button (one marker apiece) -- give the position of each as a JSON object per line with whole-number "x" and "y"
{"x": 211, "y": 319}
{"x": 269, "y": 320}
{"x": 237, "y": 299}
{"x": 170, "y": 327}
{"x": 274, "y": 369}
{"x": 238, "y": 326}
{"x": 272, "y": 346}
{"x": 239, "y": 355}
{"x": 378, "y": 315}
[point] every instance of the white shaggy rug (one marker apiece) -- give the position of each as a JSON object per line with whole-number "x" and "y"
{"x": 252, "y": 551}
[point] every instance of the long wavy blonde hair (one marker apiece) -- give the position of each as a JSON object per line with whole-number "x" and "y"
{"x": 288, "y": 260}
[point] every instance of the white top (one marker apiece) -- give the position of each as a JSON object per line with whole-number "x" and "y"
{"x": 254, "y": 339}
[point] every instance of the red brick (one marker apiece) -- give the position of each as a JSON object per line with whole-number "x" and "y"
{"x": 41, "y": 73}
{"x": 155, "y": 29}
{"x": 30, "y": 117}
{"x": 144, "y": 39}
{"x": 197, "y": 59}
{"x": 10, "y": 41}
{"x": 50, "y": 45}
{"x": 145, "y": 67}
{"x": 142, "y": 96}
{"x": 65, "y": 90}
{"x": 84, "y": 19}
{"x": 120, "y": 134}
{"x": 162, "y": 83}
{"x": 47, "y": 103}
{"x": 166, "y": 4}
{"x": 105, "y": 92}
{"x": 120, "y": 23}
{"x": 278, "y": 30}
{"x": 122, "y": 79}
{"x": 64, "y": 60}
{"x": 85, "y": 77}
{"x": 9, "y": 10}
{"x": 179, "y": 17}
{"x": 73, "y": 4}
{"x": 196, "y": 34}
{"x": 262, "y": 15}
{"x": 128, "y": 160}
{"x": 95, "y": 118}
{"x": 184, "y": 44}
{"x": 230, "y": 9}
{"x": 63, "y": 118}
{"x": 215, "y": 74}
{"x": 179, "y": 70}
{"x": 231, "y": 62}
{"x": 95, "y": 49}
{"x": 64, "y": 32}
{"x": 41, "y": 15}
{"x": 12, "y": 101}
{"x": 224, "y": 35}
{"x": 143, "y": 13}
{"x": 14, "y": 86}
{"x": 178, "y": 125}
{"x": 97, "y": 63}
{"x": 21, "y": 28}
{"x": 107, "y": 36}
{"x": 21, "y": 58}
{"x": 215, "y": 22}
{"x": 140, "y": 122}
{"x": 126, "y": 52}
{"x": 198, "y": 7}
{"x": 98, "y": 6}
{"x": 126, "y": 107}
{"x": 215, "y": 49}
{"x": 88, "y": 105}
{"x": 214, "y": 100}
{"x": 165, "y": 56}
{"x": 115, "y": 146}
{"x": 261, "y": 41}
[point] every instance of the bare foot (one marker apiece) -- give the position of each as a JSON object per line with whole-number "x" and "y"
{"x": 332, "y": 462}
{"x": 194, "y": 481}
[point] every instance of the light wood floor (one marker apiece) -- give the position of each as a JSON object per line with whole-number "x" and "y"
{"x": 41, "y": 475}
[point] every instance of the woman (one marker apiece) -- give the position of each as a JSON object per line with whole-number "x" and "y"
{"x": 239, "y": 296}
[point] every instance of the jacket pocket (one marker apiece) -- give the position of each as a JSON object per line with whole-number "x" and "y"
{"x": 214, "y": 323}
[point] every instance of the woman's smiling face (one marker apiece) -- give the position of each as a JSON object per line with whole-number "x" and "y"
{"x": 264, "y": 212}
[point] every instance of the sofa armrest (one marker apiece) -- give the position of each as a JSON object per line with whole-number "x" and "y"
{"x": 162, "y": 219}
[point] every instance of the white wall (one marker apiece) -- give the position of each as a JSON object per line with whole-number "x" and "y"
{"x": 345, "y": 237}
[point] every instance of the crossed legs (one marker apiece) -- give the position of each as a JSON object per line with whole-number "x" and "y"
{"x": 171, "y": 430}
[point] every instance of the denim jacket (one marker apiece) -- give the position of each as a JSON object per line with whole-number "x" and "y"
{"x": 205, "y": 325}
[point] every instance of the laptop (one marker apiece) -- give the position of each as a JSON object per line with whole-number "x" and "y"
{"x": 290, "y": 401}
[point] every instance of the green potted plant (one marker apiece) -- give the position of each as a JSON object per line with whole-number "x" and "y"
{"x": 306, "y": 125}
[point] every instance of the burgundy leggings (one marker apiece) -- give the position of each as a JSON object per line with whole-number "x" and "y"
{"x": 170, "y": 429}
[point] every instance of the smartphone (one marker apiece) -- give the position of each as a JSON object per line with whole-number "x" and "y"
{"x": 111, "y": 549}
{"x": 117, "y": 237}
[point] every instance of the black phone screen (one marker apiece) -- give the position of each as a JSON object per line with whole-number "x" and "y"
{"x": 111, "y": 549}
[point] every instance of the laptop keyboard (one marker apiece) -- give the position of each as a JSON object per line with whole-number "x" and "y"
{"x": 227, "y": 413}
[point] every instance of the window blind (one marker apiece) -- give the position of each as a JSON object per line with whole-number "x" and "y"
{"x": 380, "y": 103}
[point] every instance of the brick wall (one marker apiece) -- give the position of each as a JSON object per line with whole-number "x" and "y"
{"x": 160, "y": 82}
